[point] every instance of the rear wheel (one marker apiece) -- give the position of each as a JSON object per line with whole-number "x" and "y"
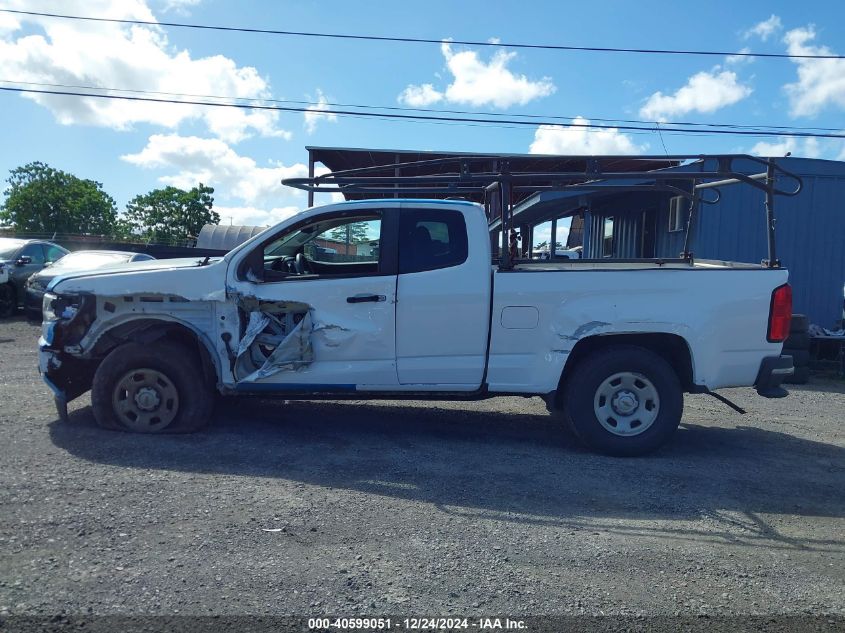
{"x": 151, "y": 389}
{"x": 624, "y": 400}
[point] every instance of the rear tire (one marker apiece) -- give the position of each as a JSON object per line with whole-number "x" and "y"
{"x": 624, "y": 401}
{"x": 151, "y": 389}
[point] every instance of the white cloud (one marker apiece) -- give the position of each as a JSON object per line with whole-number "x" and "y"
{"x": 736, "y": 60}
{"x": 8, "y": 23}
{"x": 253, "y": 216}
{"x": 550, "y": 139}
{"x": 420, "y": 96}
{"x": 821, "y": 82}
{"x": 131, "y": 57}
{"x": 808, "y": 148}
{"x": 478, "y": 83}
{"x": 704, "y": 92}
{"x": 179, "y": 6}
{"x": 765, "y": 29}
{"x": 316, "y": 113}
{"x": 191, "y": 160}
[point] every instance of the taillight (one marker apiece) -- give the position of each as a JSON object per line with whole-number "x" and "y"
{"x": 780, "y": 314}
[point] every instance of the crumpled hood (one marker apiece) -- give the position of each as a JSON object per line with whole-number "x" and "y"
{"x": 186, "y": 278}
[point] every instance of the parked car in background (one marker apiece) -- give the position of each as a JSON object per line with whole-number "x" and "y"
{"x": 73, "y": 262}
{"x": 19, "y": 259}
{"x": 560, "y": 253}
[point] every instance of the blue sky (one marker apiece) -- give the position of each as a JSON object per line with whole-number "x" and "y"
{"x": 132, "y": 148}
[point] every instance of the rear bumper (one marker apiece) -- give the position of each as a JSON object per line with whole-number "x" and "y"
{"x": 773, "y": 371}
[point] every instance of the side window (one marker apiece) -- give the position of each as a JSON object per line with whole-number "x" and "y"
{"x": 431, "y": 239}
{"x": 54, "y": 254}
{"x": 352, "y": 242}
{"x": 34, "y": 252}
{"x": 331, "y": 245}
{"x": 676, "y": 213}
{"x": 607, "y": 238}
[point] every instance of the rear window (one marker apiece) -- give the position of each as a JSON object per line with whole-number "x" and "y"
{"x": 431, "y": 239}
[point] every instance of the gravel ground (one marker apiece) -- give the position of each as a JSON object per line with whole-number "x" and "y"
{"x": 313, "y": 508}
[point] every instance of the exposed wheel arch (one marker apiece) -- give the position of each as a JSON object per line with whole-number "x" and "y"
{"x": 671, "y": 347}
{"x": 147, "y": 331}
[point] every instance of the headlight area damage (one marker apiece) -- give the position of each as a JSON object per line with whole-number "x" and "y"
{"x": 66, "y": 320}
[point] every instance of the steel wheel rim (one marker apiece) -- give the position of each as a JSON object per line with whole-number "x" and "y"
{"x": 145, "y": 400}
{"x": 626, "y": 404}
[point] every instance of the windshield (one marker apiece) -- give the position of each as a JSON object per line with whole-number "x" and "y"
{"x": 92, "y": 259}
{"x": 9, "y": 247}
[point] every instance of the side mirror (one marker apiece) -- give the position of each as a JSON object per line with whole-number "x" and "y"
{"x": 23, "y": 260}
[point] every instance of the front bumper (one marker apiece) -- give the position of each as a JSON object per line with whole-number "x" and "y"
{"x": 49, "y": 362}
{"x": 66, "y": 376}
{"x": 773, "y": 371}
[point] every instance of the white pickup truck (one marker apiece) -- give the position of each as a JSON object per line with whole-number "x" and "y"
{"x": 413, "y": 308}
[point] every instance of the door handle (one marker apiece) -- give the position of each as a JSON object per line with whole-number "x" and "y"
{"x": 365, "y": 298}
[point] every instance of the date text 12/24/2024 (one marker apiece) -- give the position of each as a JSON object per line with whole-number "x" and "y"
{"x": 415, "y": 624}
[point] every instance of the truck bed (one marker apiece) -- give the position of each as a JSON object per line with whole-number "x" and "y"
{"x": 719, "y": 310}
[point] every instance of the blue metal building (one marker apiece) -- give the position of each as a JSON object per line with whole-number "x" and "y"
{"x": 810, "y": 229}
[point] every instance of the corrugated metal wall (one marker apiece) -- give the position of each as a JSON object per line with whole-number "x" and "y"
{"x": 627, "y": 226}
{"x": 627, "y": 234}
{"x": 810, "y": 232}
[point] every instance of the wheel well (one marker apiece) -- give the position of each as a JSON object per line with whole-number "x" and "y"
{"x": 147, "y": 331}
{"x": 671, "y": 347}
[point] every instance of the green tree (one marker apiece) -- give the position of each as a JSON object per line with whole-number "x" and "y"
{"x": 40, "y": 199}
{"x": 357, "y": 233}
{"x": 171, "y": 214}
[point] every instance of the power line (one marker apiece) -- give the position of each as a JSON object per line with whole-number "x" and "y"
{"x": 315, "y": 104}
{"x": 420, "y": 117}
{"x": 421, "y": 40}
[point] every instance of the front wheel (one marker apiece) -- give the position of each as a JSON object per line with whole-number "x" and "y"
{"x": 624, "y": 400}
{"x": 151, "y": 389}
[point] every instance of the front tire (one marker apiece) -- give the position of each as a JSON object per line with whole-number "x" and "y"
{"x": 151, "y": 389}
{"x": 623, "y": 400}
